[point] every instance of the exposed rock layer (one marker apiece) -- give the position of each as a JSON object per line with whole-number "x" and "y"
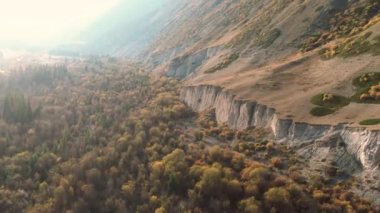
{"x": 362, "y": 143}
{"x": 181, "y": 67}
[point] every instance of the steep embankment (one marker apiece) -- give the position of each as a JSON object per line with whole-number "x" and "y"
{"x": 203, "y": 35}
{"x": 240, "y": 114}
{"x": 185, "y": 37}
{"x": 272, "y": 85}
{"x": 184, "y": 66}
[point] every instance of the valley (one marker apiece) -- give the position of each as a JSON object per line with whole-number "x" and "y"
{"x": 108, "y": 137}
{"x": 198, "y": 106}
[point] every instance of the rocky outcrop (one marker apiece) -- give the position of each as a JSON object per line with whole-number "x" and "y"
{"x": 181, "y": 67}
{"x": 363, "y": 144}
{"x": 158, "y": 58}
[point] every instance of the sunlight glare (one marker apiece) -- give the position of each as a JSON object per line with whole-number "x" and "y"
{"x": 39, "y": 20}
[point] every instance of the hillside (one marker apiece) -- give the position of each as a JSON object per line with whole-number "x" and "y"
{"x": 181, "y": 38}
{"x": 251, "y": 29}
{"x": 307, "y": 70}
{"x": 312, "y": 62}
{"x": 255, "y": 48}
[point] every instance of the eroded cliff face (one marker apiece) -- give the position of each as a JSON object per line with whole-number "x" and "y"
{"x": 361, "y": 143}
{"x": 183, "y": 66}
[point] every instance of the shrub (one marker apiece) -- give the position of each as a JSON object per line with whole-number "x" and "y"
{"x": 370, "y": 122}
{"x": 354, "y": 46}
{"x": 277, "y": 162}
{"x": 327, "y": 207}
{"x": 280, "y": 181}
{"x": 327, "y": 104}
{"x": 215, "y": 153}
{"x": 330, "y": 100}
{"x": 279, "y": 199}
{"x": 270, "y": 146}
{"x": 367, "y": 79}
{"x": 128, "y": 189}
{"x": 250, "y": 205}
{"x": 154, "y": 132}
{"x": 297, "y": 177}
{"x": 211, "y": 182}
{"x": 198, "y": 135}
{"x": 225, "y": 63}
{"x": 321, "y": 111}
{"x": 265, "y": 40}
{"x": 358, "y": 17}
{"x": 234, "y": 189}
{"x": 367, "y": 88}
{"x": 160, "y": 210}
{"x": 175, "y": 171}
{"x": 321, "y": 196}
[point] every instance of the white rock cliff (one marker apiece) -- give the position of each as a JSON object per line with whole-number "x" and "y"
{"x": 362, "y": 143}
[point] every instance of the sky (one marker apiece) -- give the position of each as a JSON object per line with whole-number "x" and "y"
{"x": 43, "y": 21}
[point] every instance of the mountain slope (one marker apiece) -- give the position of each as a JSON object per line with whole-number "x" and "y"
{"x": 255, "y": 48}
{"x": 259, "y": 30}
{"x": 124, "y": 32}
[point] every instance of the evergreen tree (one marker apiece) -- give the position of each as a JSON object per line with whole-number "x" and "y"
{"x": 17, "y": 109}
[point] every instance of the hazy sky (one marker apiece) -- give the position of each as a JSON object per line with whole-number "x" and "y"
{"x": 38, "y": 21}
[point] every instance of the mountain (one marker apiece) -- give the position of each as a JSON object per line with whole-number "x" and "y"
{"x": 126, "y": 30}
{"x": 281, "y": 53}
{"x": 175, "y": 30}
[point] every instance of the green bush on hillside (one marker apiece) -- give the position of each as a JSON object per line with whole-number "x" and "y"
{"x": 367, "y": 88}
{"x": 355, "y": 19}
{"x": 327, "y": 104}
{"x": 370, "y": 122}
{"x": 265, "y": 40}
{"x": 330, "y": 100}
{"x": 225, "y": 63}
{"x": 321, "y": 111}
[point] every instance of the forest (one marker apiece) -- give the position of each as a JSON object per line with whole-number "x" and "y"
{"x": 100, "y": 135}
